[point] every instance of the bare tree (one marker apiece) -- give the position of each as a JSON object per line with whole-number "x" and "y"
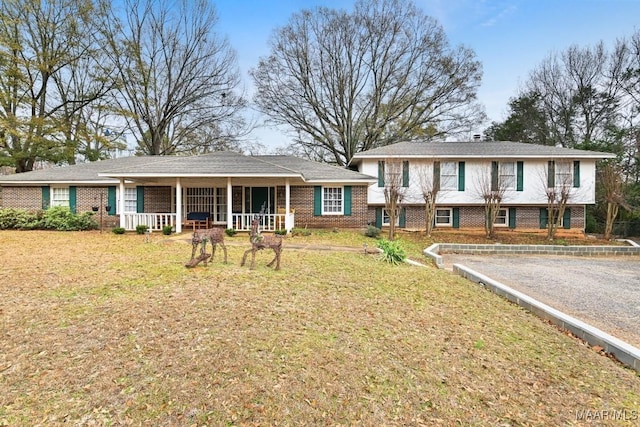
{"x": 578, "y": 93}
{"x": 491, "y": 186}
{"x": 558, "y": 182}
{"x": 610, "y": 181}
{"x": 42, "y": 44}
{"x": 395, "y": 172}
{"x": 428, "y": 176}
{"x": 348, "y": 82}
{"x": 176, "y": 74}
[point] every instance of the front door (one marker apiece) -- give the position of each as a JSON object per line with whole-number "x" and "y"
{"x": 260, "y": 199}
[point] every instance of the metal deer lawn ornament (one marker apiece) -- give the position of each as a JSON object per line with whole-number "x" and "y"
{"x": 259, "y": 242}
{"x": 200, "y": 237}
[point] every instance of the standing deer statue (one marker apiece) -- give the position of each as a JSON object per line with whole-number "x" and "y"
{"x": 259, "y": 242}
{"x": 200, "y": 237}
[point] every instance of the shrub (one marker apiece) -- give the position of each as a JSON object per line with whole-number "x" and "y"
{"x": 167, "y": 230}
{"x": 230, "y": 232}
{"x": 118, "y": 230}
{"x": 141, "y": 229}
{"x": 392, "y": 251}
{"x": 11, "y": 218}
{"x": 280, "y": 232}
{"x": 372, "y": 231}
{"x": 61, "y": 218}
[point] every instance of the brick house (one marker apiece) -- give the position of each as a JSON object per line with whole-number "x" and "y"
{"x": 230, "y": 188}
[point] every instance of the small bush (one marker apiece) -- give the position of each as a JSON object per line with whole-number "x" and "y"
{"x": 118, "y": 230}
{"x": 230, "y": 232}
{"x": 167, "y": 230}
{"x": 392, "y": 251}
{"x": 281, "y": 232}
{"x": 372, "y": 231}
{"x": 141, "y": 229}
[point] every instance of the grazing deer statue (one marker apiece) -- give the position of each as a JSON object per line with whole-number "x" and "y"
{"x": 213, "y": 235}
{"x": 259, "y": 242}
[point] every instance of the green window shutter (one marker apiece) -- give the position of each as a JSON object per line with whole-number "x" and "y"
{"x": 495, "y": 176}
{"x": 436, "y": 175}
{"x": 379, "y": 217}
{"x": 576, "y": 173}
{"x": 46, "y": 197}
{"x": 460, "y": 176}
{"x": 347, "y": 200}
{"x": 380, "y": 173}
{"x": 520, "y": 176}
{"x": 405, "y": 173}
{"x": 140, "y": 199}
{"x": 456, "y": 217}
{"x": 544, "y": 217}
{"x": 551, "y": 174}
{"x": 111, "y": 199}
{"x": 402, "y": 222}
{"x": 512, "y": 217}
{"x": 317, "y": 200}
{"x": 73, "y": 198}
{"x": 566, "y": 218}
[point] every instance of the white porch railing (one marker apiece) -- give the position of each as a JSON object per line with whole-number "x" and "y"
{"x": 240, "y": 222}
{"x": 268, "y": 222}
{"x": 155, "y": 221}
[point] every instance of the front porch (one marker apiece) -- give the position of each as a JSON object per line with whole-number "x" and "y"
{"x": 239, "y": 221}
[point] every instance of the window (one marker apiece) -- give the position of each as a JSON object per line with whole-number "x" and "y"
{"x": 563, "y": 174}
{"x": 508, "y": 175}
{"x": 221, "y": 205}
{"x": 444, "y": 217}
{"x": 332, "y": 201}
{"x": 386, "y": 218}
{"x": 502, "y": 218}
{"x": 60, "y": 197}
{"x": 130, "y": 200}
{"x": 448, "y": 176}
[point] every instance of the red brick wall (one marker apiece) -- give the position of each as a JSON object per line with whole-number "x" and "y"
{"x": 302, "y": 202}
{"x": 157, "y": 200}
{"x": 22, "y": 197}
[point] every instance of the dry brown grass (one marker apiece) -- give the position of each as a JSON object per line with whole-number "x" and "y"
{"x": 99, "y": 329}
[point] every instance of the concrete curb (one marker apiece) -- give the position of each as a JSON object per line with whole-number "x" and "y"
{"x": 622, "y": 351}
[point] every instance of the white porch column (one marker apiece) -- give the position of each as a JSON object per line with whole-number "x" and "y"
{"x": 121, "y": 204}
{"x": 178, "y": 206}
{"x": 229, "y": 204}
{"x": 287, "y": 206}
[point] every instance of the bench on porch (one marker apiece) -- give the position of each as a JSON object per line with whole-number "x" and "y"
{"x": 197, "y": 220}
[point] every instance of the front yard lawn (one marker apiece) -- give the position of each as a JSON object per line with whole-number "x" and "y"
{"x": 104, "y": 329}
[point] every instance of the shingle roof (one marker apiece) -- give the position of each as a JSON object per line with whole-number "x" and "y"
{"x": 218, "y": 164}
{"x": 476, "y": 149}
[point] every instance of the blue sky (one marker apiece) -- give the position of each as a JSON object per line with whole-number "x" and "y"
{"x": 509, "y": 37}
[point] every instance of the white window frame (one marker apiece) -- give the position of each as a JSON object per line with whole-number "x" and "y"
{"x": 332, "y": 201}
{"x": 503, "y": 213}
{"x": 60, "y": 197}
{"x": 220, "y": 206}
{"x": 507, "y": 178}
{"x": 130, "y": 200}
{"x": 449, "y": 216}
{"x": 563, "y": 174}
{"x": 448, "y": 175}
{"x": 385, "y": 218}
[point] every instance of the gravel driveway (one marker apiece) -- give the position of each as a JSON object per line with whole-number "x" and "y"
{"x": 604, "y": 292}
